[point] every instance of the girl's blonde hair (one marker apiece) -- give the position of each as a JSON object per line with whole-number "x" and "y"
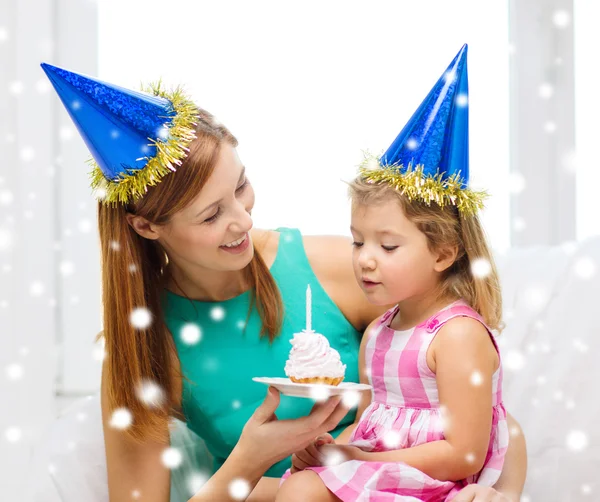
{"x": 446, "y": 227}
{"x": 133, "y": 275}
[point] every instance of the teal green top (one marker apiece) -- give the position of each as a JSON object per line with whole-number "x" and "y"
{"x": 220, "y": 395}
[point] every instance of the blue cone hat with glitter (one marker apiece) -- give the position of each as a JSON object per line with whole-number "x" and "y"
{"x": 135, "y": 138}
{"x": 429, "y": 159}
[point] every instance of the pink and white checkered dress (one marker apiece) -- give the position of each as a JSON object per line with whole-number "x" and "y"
{"x": 405, "y": 412}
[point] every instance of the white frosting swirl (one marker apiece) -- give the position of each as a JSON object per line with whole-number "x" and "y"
{"x": 311, "y": 356}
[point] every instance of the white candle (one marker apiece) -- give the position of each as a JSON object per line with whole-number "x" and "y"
{"x": 308, "y": 309}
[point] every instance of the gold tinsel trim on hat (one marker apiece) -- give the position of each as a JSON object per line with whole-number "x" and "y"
{"x": 415, "y": 185}
{"x": 169, "y": 154}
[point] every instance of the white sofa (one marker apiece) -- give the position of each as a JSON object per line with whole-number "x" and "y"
{"x": 552, "y": 313}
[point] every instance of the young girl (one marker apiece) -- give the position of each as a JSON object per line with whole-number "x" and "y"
{"x": 436, "y": 421}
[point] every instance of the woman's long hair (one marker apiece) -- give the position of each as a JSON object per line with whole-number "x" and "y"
{"x": 133, "y": 277}
{"x": 446, "y": 227}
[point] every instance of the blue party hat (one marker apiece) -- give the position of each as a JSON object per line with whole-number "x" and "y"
{"x": 135, "y": 138}
{"x": 429, "y": 159}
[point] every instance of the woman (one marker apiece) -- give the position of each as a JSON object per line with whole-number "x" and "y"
{"x": 196, "y": 302}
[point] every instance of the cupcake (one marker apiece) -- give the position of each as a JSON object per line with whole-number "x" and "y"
{"x": 312, "y": 360}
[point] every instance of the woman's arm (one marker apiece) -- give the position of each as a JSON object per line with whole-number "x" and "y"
{"x": 133, "y": 467}
{"x": 514, "y": 470}
{"x": 266, "y": 440}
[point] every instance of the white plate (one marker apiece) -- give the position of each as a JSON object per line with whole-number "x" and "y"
{"x": 317, "y": 391}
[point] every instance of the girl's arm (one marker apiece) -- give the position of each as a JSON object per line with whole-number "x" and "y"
{"x": 465, "y": 360}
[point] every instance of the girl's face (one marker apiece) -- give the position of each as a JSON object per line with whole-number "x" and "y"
{"x": 213, "y": 232}
{"x": 391, "y": 259}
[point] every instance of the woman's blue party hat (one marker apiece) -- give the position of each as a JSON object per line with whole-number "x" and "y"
{"x": 135, "y": 138}
{"x": 429, "y": 159}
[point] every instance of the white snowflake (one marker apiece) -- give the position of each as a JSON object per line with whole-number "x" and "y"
{"x": 3, "y": 34}
{"x": 121, "y": 418}
{"x": 462, "y": 100}
{"x": 412, "y": 144}
{"x": 42, "y": 86}
{"x": 75, "y": 104}
{"x": 470, "y": 458}
{"x": 67, "y": 268}
{"x": 514, "y": 431}
{"x": 476, "y": 378}
{"x": 319, "y": 393}
{"x": 132, "y": 268}
{"x": 577, "y": 440}
{"x": 580, "y": 346}
{"x": 239, "y": 489}
{"x": 52, "y": 469}
{"x": 5, "y": 239}
{"x": 6, "y": 197}
{"x": 569, "y": 162}
{"x": 115, "y": 245}
{"x": 561, "y": 18}
{"x": 13, "y": 434}
{"x": 585, "y": 268}
{"x": 196, "y": 481}
{"x": 140, "y": 318}
{"x": 150, "y": 393}
{"x": 7, "y": 267}
{"x": 68, "y": 232}
{"x": 351, "y": 398}
{"x": 163, "y": 132}
{"x": 558, "y": 395}
{"x": 586, "y": 489}
{"x": 66, "y": 133}
{"x": 84, "y": 226}
{"x": 236, "y": 405}
{"x": 190, "y": 334}
{"x": 391, "y": 440}
{"x": 36, "y": 289}
{"x": 541, "y": 380}
{"x": 481, "y": 268}
{"x": 334, "y": 458}
{"x": 136, "y": 494}
{"x": 546, "y": 90}
{"x": 570, "y": 404}
{"x": 550, "y": 127}
{"x": 241, "y": 324}
{"x": 74, "y": 300}
{"x": 514, "y": 360}
{"x": 28, "y": 214}
{"x": 81, "y": 417}
{"x": 27, "y": 154}
{"x": 217, "y": 314}
{"x": 24, "y": 351}
{"x": 16, "y": 87}
{"x": 450, "y": 76}
{"x": 4, "y": 304}
{"x": 171, "y": 458}
{"x": 14, "y": 372}
{"x": 535, "y": 297}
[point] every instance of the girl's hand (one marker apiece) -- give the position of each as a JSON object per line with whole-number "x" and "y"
{"x": 477, "y": 493}
{"x": 266, "y": 440}
{"x": 311, "y": 456}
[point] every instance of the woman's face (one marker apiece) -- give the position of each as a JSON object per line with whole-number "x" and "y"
{"x": 213, "y": 232}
